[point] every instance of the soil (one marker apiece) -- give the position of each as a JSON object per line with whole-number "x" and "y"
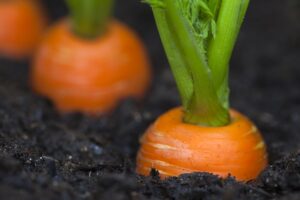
{"x": 45, "y": 155}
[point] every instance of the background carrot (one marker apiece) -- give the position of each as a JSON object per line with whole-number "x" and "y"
{"x": 22, "y": 25}
{"x": 90, "y": 62}
{"x": 203, "y": 136}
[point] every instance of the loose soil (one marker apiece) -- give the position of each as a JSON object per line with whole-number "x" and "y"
{"x": 44, "y": 155}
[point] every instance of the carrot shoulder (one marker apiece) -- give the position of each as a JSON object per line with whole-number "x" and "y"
{"x": 173, "y": 148}
{"x": 22, "y": 25}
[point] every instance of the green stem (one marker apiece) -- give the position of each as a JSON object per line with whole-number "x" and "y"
{"x": 220, "y": 48}
{"x": 199, "y": 37}
{"x": 176, "y": 60}
{"x": 201, "y": 103}
{"x": 90, "y": 17}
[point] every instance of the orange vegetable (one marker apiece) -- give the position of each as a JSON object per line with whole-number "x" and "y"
{"x": 173, "y": 148}
{"x": 22, "y": 24}
{"x": 204, "y": 135}
{"x": 91, "y": 76}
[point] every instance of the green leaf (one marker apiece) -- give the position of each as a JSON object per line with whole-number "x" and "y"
{"x": 201, "y": 19}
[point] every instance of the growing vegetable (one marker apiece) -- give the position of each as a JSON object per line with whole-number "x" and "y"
{"x": 204, "y": 135}
{"x": 89, "y": 62}
{"x": 22, "y": 24}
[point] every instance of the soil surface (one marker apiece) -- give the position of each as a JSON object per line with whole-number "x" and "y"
{"x": 44, "y": 155}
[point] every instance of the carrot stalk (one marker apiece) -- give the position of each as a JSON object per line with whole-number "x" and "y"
{"x": 192, "y": 34}
{"x": 90, "y": 17}
{"x": 220, "y": 47}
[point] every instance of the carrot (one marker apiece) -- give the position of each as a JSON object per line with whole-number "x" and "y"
{"x": 89, "y": 62}
{"x": 204, "y": 135}
{"x": 22, "y": 24}
{"x": 173, "y": 148}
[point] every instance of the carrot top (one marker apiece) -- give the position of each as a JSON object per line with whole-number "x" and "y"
{"x": 199, "y": 37}
{"x": 89, "y": 17}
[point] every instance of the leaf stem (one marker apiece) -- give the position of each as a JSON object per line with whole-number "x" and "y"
{"x": 175, "y": 56}
{"x": 199, "y": 37}
{"x": 220, "y": 47}
{"x": 201, "y": 103}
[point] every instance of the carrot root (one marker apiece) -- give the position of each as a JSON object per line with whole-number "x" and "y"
{"x": 173, "y": 148}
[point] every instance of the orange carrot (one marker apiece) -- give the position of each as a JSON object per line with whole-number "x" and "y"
{"x": 22, "y": 24}
{"x": 90, "y": 75}
{"x": 205, "y": 135}
{"x": 173, "y": 148}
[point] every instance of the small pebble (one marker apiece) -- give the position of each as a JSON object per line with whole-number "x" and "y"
{"x": 96, "y": 149}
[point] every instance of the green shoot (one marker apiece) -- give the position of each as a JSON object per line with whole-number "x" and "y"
{"x": 89, "y": 17}
{"x": 199, "y": 37}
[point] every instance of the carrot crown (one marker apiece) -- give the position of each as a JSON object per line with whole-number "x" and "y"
{"x": 199, "y": 37}
{"x": 89, "y": 17}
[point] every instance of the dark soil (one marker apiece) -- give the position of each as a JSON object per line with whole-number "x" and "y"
{"x": 44, "y": 155}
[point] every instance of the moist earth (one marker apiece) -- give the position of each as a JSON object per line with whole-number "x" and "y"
{"x": 45, "y": 155}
